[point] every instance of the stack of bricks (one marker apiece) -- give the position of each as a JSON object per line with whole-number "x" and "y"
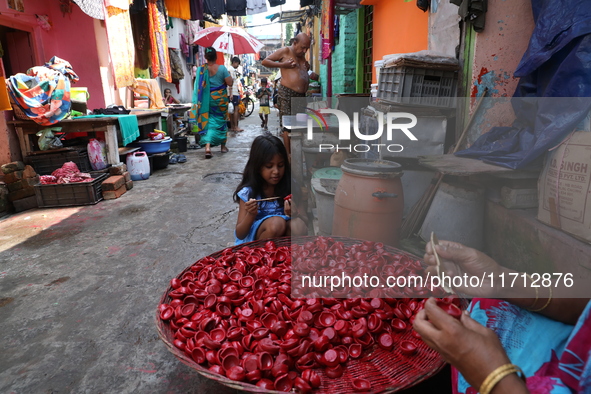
{"x": 4, "y": 204}
{"x": 20, "y": 180}
{"x": 118, "y": 183}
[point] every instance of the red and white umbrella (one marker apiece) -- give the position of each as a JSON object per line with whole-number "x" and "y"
{"x": 228, "y": 40}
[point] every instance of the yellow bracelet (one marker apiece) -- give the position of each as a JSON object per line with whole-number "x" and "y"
{"x": 537, "y": 293}
{"x": 497, "y": 375}
{"x": 546, "y": 304}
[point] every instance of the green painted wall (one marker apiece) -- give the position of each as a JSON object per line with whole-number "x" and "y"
{"x": 323, "y": 78}
{"x": 344, "y": 57}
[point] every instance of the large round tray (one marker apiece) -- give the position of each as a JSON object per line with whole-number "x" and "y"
{"x": 388, "y": 371}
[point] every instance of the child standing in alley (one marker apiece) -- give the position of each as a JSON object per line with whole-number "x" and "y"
{"x": 264, "y": 95}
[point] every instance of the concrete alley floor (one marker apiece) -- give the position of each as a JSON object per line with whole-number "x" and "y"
{"x": 79, "y": 286}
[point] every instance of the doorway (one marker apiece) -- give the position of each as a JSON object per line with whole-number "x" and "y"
{"x": 17, "y": 46}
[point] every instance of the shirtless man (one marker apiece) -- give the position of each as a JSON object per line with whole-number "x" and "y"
{"x": 294, "y": 75}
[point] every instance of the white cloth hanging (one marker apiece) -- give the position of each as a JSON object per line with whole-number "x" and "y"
{"x": 255, "y": 7}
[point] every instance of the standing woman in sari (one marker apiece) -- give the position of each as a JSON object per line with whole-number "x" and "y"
{"x": 210, "y": 99}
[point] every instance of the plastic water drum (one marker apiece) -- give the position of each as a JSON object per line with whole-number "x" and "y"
{"x": 368, "y": 201}
{"x": 138, "y": 165}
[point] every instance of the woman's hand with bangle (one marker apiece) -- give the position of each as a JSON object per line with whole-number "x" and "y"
{"x": 467, "y": 345}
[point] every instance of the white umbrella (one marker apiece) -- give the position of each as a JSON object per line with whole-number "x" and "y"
{"x": 228, "y": 40}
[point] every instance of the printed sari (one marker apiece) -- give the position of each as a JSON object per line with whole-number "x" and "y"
{"x": 210, "y": 109}
{"x": 555, "y": 357}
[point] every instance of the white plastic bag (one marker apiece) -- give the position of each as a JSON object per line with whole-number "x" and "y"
{"x": 230, "y": 108}
{"x": 97, "y": 154}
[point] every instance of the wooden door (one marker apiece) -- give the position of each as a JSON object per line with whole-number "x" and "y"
{"x": 20, "y": 49}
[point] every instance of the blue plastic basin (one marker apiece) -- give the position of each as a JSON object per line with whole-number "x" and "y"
{"x": 157, "y": 146}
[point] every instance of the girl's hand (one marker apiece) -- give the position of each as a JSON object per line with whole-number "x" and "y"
{"x": 457, "y": 260}
{"x": 470, "y": 347}
{"x": 287, "y": 207}
{"x": 251, "y": 207}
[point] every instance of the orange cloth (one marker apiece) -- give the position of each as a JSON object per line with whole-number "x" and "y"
{"x": 178, "y": 9}
{"x": 150, "y": 89}
{"x": 4, "y": 99}
{"x": 158, "y": 42}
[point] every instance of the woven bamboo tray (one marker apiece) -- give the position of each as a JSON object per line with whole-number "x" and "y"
{"x": 388, "y": 371}
{"x": 18, "y": 112}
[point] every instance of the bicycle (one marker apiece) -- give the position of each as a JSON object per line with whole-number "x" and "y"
{"x": 248, "y": 104}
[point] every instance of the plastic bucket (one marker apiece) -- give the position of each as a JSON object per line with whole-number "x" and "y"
{"x": 324, "y": 198}
{"x": 181, "y": 143}
{"x": 79, "y": 94}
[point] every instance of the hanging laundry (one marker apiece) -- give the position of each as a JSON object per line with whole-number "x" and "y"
{"x": 159, "y": 40}
{"x": 255, "y": 7}
{"x": 215, "y": 8}
{"x": 92, "y": 8}
{"x": 176, "y": 65}
{"x": 178, "y": 9}
{"x": 473, "y": 11}
{"x": 184, "y": 45}
{"x": 141, "y": 73}
{"x": 327, "y": 24}
{"x": 4, "y": 99}
{"x": 236, "y": 7}
{"x": 121, "y": 47}
{"x": 138, "y": 5}
{"x": 192, "y": 28}
{"x": 196, "y": 9}
{"x": 149, "y": 88}
{"x": 141, "y": 38}
{"x": 123, "y": 4}
{"x": 275, "y": 3}
{"x": 423, "y": 5}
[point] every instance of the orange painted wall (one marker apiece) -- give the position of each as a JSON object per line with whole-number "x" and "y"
{"x": 398, "y": 27}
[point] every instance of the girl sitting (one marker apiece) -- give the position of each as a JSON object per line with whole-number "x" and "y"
{"x": 266, "y": 177}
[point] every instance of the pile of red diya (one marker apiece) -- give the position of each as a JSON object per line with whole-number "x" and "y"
{"x": 230, "y": 317}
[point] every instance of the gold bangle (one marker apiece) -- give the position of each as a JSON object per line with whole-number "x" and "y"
{"x": 537, "y": 292}
{"x": 497, "y": 375}
{"x": 546, "y": 304}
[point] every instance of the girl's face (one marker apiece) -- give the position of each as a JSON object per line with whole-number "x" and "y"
{"x": 273, "y": 171}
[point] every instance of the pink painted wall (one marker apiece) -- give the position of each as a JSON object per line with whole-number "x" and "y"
{"x": 72, "y": 37}
{"x": 74, "y": 40}
{"x": 498, "y": 51}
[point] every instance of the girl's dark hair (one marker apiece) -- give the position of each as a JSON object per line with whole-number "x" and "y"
{"x": 262, "y": 151}
{"x": 211, "y": 54}
{"x": 236, "y": 59}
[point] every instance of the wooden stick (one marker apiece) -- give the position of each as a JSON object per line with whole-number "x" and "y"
{"x": 268, "y": 199}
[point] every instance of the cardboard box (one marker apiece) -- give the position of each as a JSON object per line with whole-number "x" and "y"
{"x": 564, "y": 187}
